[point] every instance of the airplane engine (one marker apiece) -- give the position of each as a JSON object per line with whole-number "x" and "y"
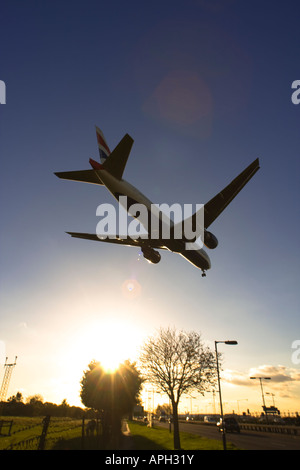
{"x": 151, "y": 255}
{"x": 210, "y": 240}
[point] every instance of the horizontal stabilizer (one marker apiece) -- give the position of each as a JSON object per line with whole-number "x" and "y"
{"x": 217, "y": 204}
{"x": 85, "y": 176}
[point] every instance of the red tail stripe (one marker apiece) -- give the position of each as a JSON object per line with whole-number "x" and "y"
{"x": 102, "y": 142}
{"x": 95, "y": 165}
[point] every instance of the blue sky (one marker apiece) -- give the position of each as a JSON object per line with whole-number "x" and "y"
{"x": 203, "y": 88}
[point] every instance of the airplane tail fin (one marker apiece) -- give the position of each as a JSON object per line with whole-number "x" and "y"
{"x": 104, "y": 151}
{"x": 115, "y": 161}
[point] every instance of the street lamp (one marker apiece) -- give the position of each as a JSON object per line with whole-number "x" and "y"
{"x": 262, "y": 392}
{"x": 219, "y": 384}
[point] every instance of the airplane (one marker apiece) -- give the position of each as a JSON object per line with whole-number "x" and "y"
{"x": 109, "y": 172}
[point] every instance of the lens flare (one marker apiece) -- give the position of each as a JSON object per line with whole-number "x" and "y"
{"x": 131, "y": 289}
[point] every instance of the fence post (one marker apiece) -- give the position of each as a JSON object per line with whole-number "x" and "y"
{"x": 46, "y": 422}
{"x": 11, "y": 423}
{"x": 82, "y": 434}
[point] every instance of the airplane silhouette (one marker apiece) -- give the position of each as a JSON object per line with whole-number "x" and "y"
{"x": 110, "y": 172}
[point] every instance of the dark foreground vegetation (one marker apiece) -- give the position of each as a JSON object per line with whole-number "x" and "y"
{"x": 35, "y": 406}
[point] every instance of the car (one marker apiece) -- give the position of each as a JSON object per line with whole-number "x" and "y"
{"x": 162, "y": 419}
{"x": 210, "y": 419}
{"x": 230, "y": 425}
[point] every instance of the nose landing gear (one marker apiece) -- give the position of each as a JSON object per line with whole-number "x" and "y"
{"x": 203, "y": 273}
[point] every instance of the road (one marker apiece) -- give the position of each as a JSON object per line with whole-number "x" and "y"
{"x": 246, "y": 440}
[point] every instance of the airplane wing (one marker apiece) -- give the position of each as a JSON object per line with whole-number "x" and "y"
{"x": 119, "y": 240}
{"x": 85, "y": 176}
{"x": 214, "y": 207}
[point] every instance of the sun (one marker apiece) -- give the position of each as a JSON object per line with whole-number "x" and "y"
{"x": 110, "y": 351}
{"x": 109, "y": 340}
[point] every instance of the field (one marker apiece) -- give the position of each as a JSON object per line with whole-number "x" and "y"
{"x": 25, "y": 432}
{"x": 66, "y": 434}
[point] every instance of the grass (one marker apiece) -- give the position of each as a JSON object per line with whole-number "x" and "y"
{"x": 145, "y": 438}
{"x": 25, "y": 432}
{"x": 65, "y": 434}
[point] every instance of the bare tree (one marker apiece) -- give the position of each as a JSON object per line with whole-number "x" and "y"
{"x": 177, "y": 362}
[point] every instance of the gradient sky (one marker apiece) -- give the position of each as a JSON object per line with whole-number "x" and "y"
{"x": 204, "y": 88}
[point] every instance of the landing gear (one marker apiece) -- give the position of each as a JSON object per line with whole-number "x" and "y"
{"x": 203, "y": 273}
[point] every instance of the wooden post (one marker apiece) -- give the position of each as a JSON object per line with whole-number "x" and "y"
{"x": 46, "y": 422}
{"x": 11, "y": 423}
{"x": 82, "y": 434}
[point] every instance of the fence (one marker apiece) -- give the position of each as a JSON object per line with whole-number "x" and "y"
{"x": 290, "y": 430}
{"x": 6, "y": 424}
{"x": 47, "y": 432}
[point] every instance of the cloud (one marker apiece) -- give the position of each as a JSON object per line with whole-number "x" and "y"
{"x": 279, "y": 374}
{"x": 235, "y": 377}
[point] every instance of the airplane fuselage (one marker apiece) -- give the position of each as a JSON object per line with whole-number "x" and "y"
{"x": 197, "y": 257}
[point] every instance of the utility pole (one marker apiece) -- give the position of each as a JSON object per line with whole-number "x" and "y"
{"x": 220, "y": 396}
{"x": 262, "y": 393}
{"x": 6, "y": 378}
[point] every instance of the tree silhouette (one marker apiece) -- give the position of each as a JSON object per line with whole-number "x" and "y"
{"x": 113, "y": 395}
{"x": 177, "y": 362}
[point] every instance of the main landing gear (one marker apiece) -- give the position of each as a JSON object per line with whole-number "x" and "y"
{"x": 203, "y": 273}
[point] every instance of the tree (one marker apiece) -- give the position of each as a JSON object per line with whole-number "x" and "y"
{"x": 177, "y": 362}
{"x": 163, "y": 410}
{"x": 35, "y": 403}
{"x": 35, "y": 399}
{"x": 18, "y": 398}
{"x": 113, "y": 395}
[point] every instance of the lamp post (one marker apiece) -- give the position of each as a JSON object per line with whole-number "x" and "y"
{"x": 262, "y": 393}
{"x": 219, "y": 384}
